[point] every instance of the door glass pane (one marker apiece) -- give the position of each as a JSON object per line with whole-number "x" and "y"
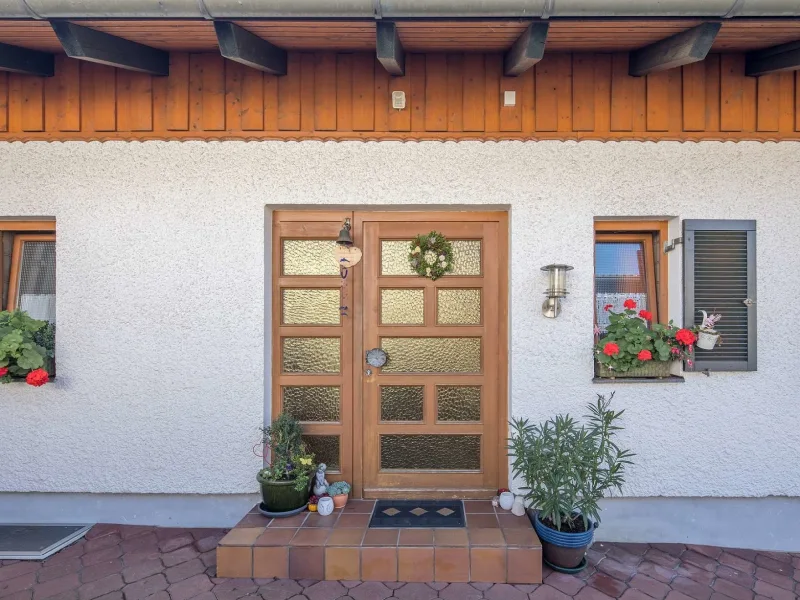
{"x": 37, "y": 280}
{"x": 466, "y": 257}
{"x": 325, "y": 449}
{"x": 431, "y": 452}
{"x": 311, "y": 355}
{"x": 312, "y": 403}
{"x": 458, "y": 403}
{"x": 619, "y": 273}
{"x": 402, "y": 403}
{"x": 309, "y": 257}
{"x": 432, "y": 355}
{"x": 394, "y": 258}
{"x": 402, "y": 307}
{"x": 458, "y": 307}
{"x": 311, "y": 307}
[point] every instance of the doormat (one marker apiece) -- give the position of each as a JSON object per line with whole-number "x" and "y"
{"x": 418, "y": 513}
{"x": 37, "y": 542}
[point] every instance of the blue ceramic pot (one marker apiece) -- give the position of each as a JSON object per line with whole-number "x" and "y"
{"x": 560, "y": 548}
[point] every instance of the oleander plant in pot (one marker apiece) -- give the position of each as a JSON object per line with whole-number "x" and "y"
{"x": 634, "y": 346}
{"x": 286, "y": 478}
{"x": 567, "y": 467}
{"x": 26, "y": 348}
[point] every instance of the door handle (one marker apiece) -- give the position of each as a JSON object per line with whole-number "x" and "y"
{"x": 748, "y": 302}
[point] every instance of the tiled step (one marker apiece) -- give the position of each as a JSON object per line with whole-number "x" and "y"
{"x": 495, "y": 547}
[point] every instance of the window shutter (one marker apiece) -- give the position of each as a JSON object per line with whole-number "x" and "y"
{"x": 719, "y": 275}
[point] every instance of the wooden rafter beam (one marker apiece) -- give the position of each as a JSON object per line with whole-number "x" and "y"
{"x": 95, "y": 46}
{"x": 527, "y": 50}
{"x": 680, "y": 49}
{"x": 390, "y": 51}
{"x": 28, "y": 62}
{"x": 785, "y": 57}
{"x": 239, "y": 45}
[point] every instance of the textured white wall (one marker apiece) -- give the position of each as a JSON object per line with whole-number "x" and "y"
{"x": 161, "y": 299}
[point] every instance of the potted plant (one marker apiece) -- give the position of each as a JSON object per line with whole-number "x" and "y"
{"x": 26, "y": 348}
{"x": 567, "y": 467}
{"x": 707, "y": 336}
{"x": 285, "y": 480}
{"x": 339, "y": 491}
{"x": 633, "y": 346}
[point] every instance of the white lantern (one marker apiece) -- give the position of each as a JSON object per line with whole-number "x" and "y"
{"x": 325, "y": 506}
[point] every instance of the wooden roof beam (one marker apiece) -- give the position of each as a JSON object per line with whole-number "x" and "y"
{"x": 390, "y": 50}
{"x": 239, "y": 45}
{"x": 785, "y": 57}
{"x": 26, "y": 61}
{"x": 527, "y": 50}
{"x": 87, "y": 44}
{"x": 683, "y": 48}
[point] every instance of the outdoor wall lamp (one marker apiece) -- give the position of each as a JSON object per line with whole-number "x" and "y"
{"x": 556, "y": 289}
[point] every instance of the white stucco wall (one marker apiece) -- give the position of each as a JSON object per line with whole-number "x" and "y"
{"x": 161, "y": 300}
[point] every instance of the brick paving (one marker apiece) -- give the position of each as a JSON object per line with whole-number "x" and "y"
{"x": 120, "y": 562}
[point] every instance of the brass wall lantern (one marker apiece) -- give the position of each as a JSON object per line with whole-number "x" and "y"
{"x": 556, "y": 289}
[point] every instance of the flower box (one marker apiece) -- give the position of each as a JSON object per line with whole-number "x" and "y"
{"x": 653, "y": 369}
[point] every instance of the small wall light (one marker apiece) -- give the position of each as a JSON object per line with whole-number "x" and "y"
{"x": 556, "y": 289}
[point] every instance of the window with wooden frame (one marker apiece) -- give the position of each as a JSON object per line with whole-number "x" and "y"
{"x": 629, "y": 262}
{"x": 28, "y": 268}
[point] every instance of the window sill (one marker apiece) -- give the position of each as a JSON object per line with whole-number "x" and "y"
{"x": 670, "y": 379}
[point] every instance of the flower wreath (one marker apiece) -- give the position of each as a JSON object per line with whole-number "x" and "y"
{"x": 431, "y": 255}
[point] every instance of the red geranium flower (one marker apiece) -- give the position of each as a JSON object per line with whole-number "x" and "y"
{"x": 608, "y": 307}
{"x": 685, "y": 337}
{"x": 630, "y": 303}
{"x": 646, "y": 315}
{"x": 37, "y": 378}
{"x": 675, "y": 350}
{"x": 611, "y": 349}
{"x": 3, "y": 371}
{"x": 644, "y": 355}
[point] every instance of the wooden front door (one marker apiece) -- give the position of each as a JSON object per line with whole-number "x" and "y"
{"x": 432, "y": 421}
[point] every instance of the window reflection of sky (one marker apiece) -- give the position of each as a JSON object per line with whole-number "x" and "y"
{"x": 617, "y": 259}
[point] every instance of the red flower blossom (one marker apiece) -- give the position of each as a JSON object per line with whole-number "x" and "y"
{"x": 644, "y": 355}
{"x": 630, "y": 303}
{"x": 37, "y": 378}
{"x": 675, "y": 350}
{"x": 608, "y": 307}
{"x": 685, "y": 337}
{"x": 646, "y": 315}
{"x": 3, "y": 371}
{"x": 611, "y": 349}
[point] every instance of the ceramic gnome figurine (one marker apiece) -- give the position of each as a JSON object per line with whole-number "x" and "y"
{"x": 518, "y": 508}
{"x": 320, "y": 483}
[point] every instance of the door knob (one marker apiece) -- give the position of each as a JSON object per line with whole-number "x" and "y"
{"x": 376, "y": 357}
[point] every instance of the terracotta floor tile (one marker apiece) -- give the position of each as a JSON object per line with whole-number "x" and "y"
{"x": 416, "y": 537}
{"x": 478, "y": 506}
{"x": 343, "y": 564}
{"x": 509, "y": 521}
{"x": 486, "y": 537}
{"x": 313, "y": 536}
{"x": 415, "y": 564}
{"x": 244, "y": 536}
{"x": 381, "y": 537}
{"x": 359, "y": 506}
{"x": 450, "y": 537}
{"x": 233, "y": 561}
{"x": 345, "y": 537}
{"x": 524, "y": 565}
{"x": 487, "y": 564}
{"x": 318, "y": 520}
{"x": 295, "y": 521}
{"x": 307, "y": 562}
{"x": 451, "y": 564}
{"x": 275, "y": 537}
{"x": 254, "y": 520}
{"x": 379, "y": 564}
{"x": 271, "y": 562}
{"x": 482, "y": 521}
{"x": 522, "y": 537}
{"x": 353, "y": 520}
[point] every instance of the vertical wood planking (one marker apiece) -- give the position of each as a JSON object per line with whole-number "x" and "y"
{"x": 786, "y": 105}
{"x": 307, "y": 85}
{"x": 32, "y": 113}
{"x": 564, "y": 91}
{"x": 344, "y": 92}
{"x": 196, "y": 92}
{"x": 621, "y": 93}
{"x": 436, "y": 92}
{"x": 3, "y": 101}
{"x": 602, "y": 93}
{"x": 415, "y": 69}
{"x": 159, "y": 87}
{"x": 474, "y": 92}
{"x": 234, "y": 72}
{"x": 675, "y": 100}
{"x": 797, "y": 101}
{"x": 455, "y": 92}
{"x": 213, "y": 92}
{"x": 178, "y": 92}
{"x": 252, "y": 105}
{"x": 399, "y": 120}
{"x": 528, "y": 85}
{"x": 731, "y": 91}
{"x": 768, "y": 102}
{"x": 289, "y": 95}
{"x": 383, "y": 98}
{"x": 583, "y": 90}
{"x": 712, "y": 93}
{"x": 270, "y": 102}
{"x": 325, "y": 91}
{"x": 15, "y": 102}
{"x": 102, "y": 81}
{"x": 134, "y": 101}
{"x": 749, "y": 103}
{"x": 364, "y": 92}
{"x": 68, "y": 94}
{"x": 493, "y": 71}
{"x": 694, "y": 96}
{"x": 511, "y": 116}
{"x": 547, "y": 94}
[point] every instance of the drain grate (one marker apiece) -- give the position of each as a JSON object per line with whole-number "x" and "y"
{"x": 37, "y": 542}
{"x": 418, "y": 513}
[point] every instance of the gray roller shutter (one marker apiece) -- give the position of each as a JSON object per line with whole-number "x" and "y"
{"x": 719, "y": 275}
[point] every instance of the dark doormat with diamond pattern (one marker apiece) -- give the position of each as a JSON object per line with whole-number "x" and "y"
{"x": 418, "y": 513}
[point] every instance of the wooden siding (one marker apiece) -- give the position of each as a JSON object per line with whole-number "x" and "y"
{"x": 449, "y": 96}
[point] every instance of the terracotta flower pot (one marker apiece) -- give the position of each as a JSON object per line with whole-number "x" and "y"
{"x": 340, "y": 500}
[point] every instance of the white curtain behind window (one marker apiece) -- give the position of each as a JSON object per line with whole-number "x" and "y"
{"x": 37, "y": 280}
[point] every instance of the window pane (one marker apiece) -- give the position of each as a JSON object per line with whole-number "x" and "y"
{"x": 402, "y": 403}
{"x": 394, "y": 258}
{"x": 325, "y": 449}
{"x": 37, "y": 280}
{"x": 619, "y": 273}
{"x": 458, "y": 403}
{"x": 309, "y": 257}
{"x": 458, "y": 307}
{"x": 311, "y": 355}
{"x": 431, "y": 452}
{"x": 312, "y": 403}
{"x": 432, "y": 355}
{"x": 402, "y": 307}
{"x": 466, "y": 257}
{"x": 311, "y": 307}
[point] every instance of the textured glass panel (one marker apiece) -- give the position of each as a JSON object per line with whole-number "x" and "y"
{"x": 37, "y": 280}
{"x": 311, "y": 355}
{"x": 394, "y": 258}
{"x": 402, "y": 403}
{"x": 458, "y": 403}
{"x": 311, "y": 307}
{"x": 458, "y": 307}
{"x": 619, "y": 273}
{"x": 325, "y": 449}
{"x": 309, "y": 257}
{"x": 403, "y": 307}
{"x": 312, "y": 403}
{"x": 432, "y": 355}
{"x": 466, "y": 257}
{"x": 438, "y": 452}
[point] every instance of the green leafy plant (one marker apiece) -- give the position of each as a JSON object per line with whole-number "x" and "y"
{"x": 289, "y": 460}
{"x": 339, "y": 487}
{"x": 568, "y": 466}
{"x": 22, "y": 344}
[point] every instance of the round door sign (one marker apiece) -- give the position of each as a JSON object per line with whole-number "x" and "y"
{"x": 376, "y": 358}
